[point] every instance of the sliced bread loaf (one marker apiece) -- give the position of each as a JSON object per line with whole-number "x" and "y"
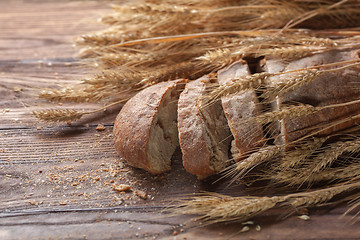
{"x": 145, "y": 131}
{"x": 204, "y": 135}
{"x": 247, "y": 134}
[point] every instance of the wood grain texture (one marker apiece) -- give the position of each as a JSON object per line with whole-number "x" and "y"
{"x": 56, "y": 180}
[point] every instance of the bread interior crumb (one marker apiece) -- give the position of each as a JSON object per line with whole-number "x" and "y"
{"x": 164, "y": 134}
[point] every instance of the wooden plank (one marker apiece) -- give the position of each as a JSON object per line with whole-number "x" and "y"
{"x": 56, "y": 180}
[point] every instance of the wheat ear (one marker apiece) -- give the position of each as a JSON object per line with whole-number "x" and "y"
{"x": 331, "y": 153}
{"x": 58, "y": 115}
{"x": 291, "y": 83}
{"x": 301, "y": 152}
{"x": 65, "y": 115}
{"x": 253, "y": 81}
{"x": 347, "y": 173}
{"x": 265, "y": 154}
{"x": 285, "y": 112}
{"x": 314, "y": 198}
{"x": 220, "y": 208}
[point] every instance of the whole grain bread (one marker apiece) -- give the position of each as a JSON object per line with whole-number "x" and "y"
{"x": 204, "y": 135}
{"x": 248, "y": 135}
{"x": 145, "y": 131}
{"x": 329, "y": 88}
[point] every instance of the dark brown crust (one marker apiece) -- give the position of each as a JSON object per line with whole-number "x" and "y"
{"x": 134, "y": 122}
{"x": 329, "y": 88}
{"x": 249, "y": 135}
{"x": 196, "y": 155}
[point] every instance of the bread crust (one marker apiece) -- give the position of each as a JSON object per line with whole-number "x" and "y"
{"x": 247, "y": 135}
{"x": 133, "y": 125}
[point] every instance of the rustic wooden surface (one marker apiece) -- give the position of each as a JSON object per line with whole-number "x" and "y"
{"x": 56, "y": 181}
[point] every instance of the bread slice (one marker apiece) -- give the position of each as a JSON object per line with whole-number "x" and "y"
{"x": 204, "y": 135}
{"x": 247, "y": 135}
{"x": 145, "y": 131}
{"x": 329, "y": 88}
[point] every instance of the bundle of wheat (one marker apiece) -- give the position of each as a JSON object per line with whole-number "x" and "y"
{"x": 291, "y": 50}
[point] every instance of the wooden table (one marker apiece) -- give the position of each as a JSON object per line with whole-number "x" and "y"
{"x": 56, "y": 180}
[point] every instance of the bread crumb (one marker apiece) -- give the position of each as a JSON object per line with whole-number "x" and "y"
{"x": 17, "y": 89}
{"x": 304, "y": 217}
{"x": 245, "y": 229}
{"x": 175, "y": 233}
{"x": 122, "y": 187}
{"x": 248, "y": 223}
{"x": 100, "y": 127}
{"x": 141, "y": 194}
{"x": 33, "y": 202}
